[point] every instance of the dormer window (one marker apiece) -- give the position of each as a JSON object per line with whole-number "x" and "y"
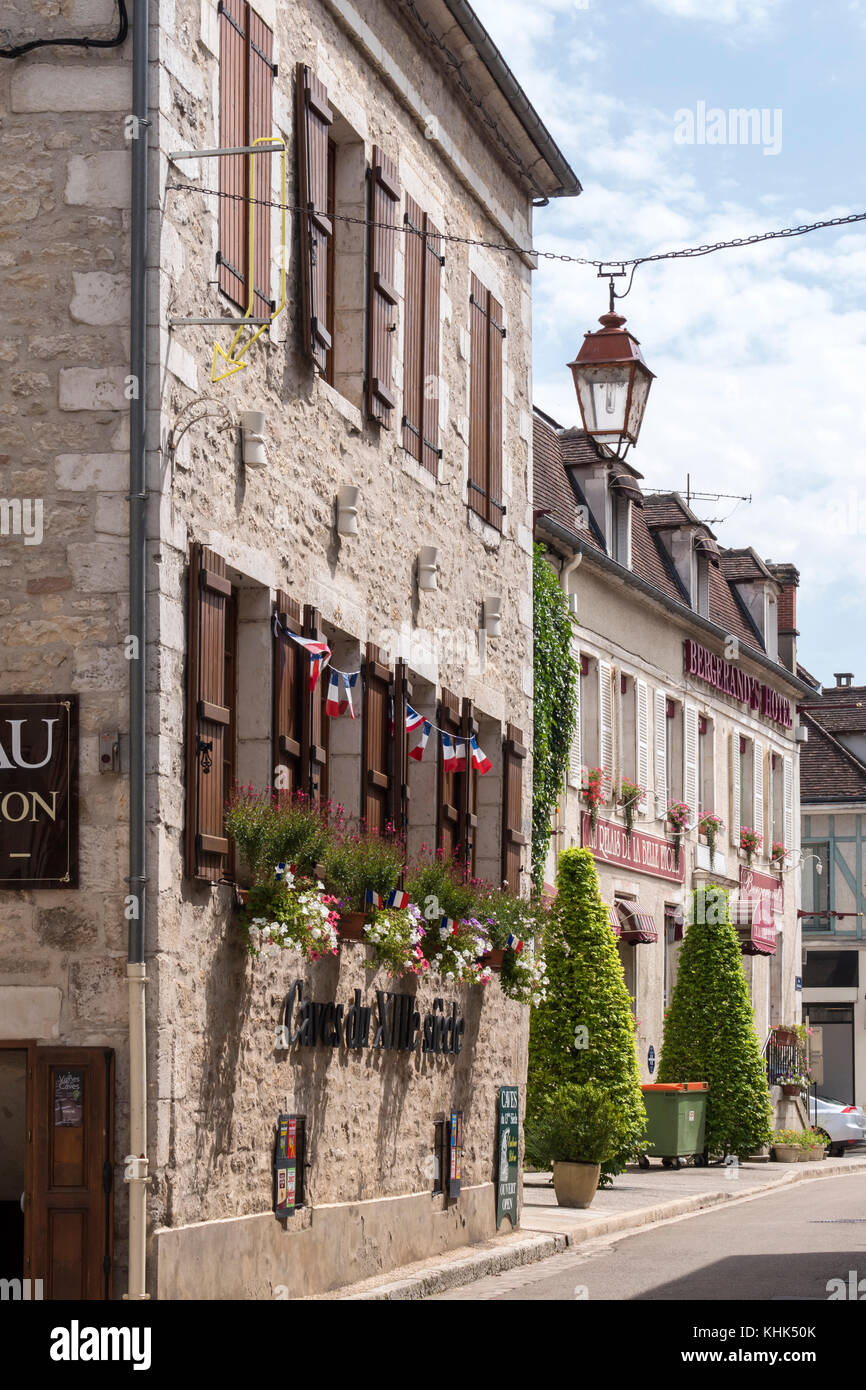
{"x": 703, "y": 585}
{"x": 621, "y": 529}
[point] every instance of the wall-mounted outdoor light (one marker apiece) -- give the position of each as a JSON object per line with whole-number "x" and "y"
{"x": 347, "y": 510}
{"x": 492, "y": 615}
{"x": 428, "y": 568}
{"x": 253, "y": 436}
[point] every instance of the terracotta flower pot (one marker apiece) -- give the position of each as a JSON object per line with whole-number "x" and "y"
{"x": 787, "y": 1153}
{"x": 352, "y": 925}
{"x": 495, "y": 957}
{"x": 575, "y": 1184}
{"x": 790, "y": 1090}
{"x": 785, "y": 1037}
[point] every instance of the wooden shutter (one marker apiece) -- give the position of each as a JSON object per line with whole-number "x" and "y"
{"x": 289, "y": 661}
{"x": 381, "y": 295}
{"x": 789, "y": 804}
{"x": 690, "y": 758}
{"x": 642, "y": 710}
{"x": 736, "y": 790}
{"x": 313, "y": 119}
{"x": 758, "y": 788}
{"x": 376, "y": 790}
{"x": 260, "y": 88}
{"x": 513, "y": 839}
{"x": 421, "y": 309}
{"x": 605, "y": 716}
{"x": 575, "y": 759}
{"x": 210, "y": 714}
{"x": 485, "y": 404}
{"x": 314, "y": 754}
{"x": 399, "y": 810}
{"x": 71, "y": 1201}
{"x": 233, "y": 169}
{"x": 448, "y": 829}
{"x": 660, "y": 706}
{"x": 467, "y": 791}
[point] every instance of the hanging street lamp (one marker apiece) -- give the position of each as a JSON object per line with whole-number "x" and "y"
{"x": 612, "y": 382}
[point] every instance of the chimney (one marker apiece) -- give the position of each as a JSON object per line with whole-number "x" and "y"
{"x": 788, "y": 579}
{"x": 843, "y": 679}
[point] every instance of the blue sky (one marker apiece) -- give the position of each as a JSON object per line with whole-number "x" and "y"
{"x": 760, "y": 354}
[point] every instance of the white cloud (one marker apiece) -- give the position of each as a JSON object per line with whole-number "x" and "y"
{"x": 743, "y": 15}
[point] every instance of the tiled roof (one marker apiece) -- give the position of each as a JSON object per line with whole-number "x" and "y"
{"x": 556, "y": 490}
{"x": 843, "y": 720}
{"x": 828, "y": 771}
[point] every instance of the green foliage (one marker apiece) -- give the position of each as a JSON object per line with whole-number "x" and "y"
{"x": 576, "y": 1124}
{"x": 271, "y": 828}
{"x": 555, "y": 708}
{"x": 355, "y": 859}
{"x": 710, "y": 1031}
{"x": 584, "y": 1031}
{"x": 438, "y": 884}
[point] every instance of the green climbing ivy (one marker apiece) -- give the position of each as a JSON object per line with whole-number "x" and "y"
{"x": 555, "y": 704}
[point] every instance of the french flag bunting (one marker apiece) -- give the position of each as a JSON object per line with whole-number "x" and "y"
{"x": 447, "y": 926}
{"x": 418, "y": 751}
{"x": 319, "y": 654}
{"x": 413, "y": 719}
{"x": 372, "y": 899}
{"x": 515, "y": 943}
{"x": 350, "y": 680}
{"x": 397, "y": 898}
{"x": 480, "y": 760}
{"x": 459, "y": 755}
{"x": 333, "y": 705}
{"x": 449, "y": 755}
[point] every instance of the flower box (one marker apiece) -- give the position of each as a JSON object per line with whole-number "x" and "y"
{"x": 791, "y": 1090}
{"x": 495, "y": 957}
{"x": 352, "y": 925}
{"x": 784, "y": 1037}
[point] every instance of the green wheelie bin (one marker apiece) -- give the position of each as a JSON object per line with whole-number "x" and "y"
{"x": 676, "y": 1116}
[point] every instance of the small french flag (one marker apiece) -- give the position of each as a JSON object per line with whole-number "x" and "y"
{"x": 449, "y": 754}
{"x": 413, "y": 718}
{"x": 333, "y": 705}
{"x": 459, "y": 755}
{"x": 397, "y": 898}
{"x": 448, "y": 926}
{"x": 418, "y": 751}
{"x": 480, "y": 760}
{"x": 372, "y": 899}
{"x": 319, "y": 653}
{"x": 280, "y": 872}
{"x": 350, "y": 680}
{"x": 515, "y": 943}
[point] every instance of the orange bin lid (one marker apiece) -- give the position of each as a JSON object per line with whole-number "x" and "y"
{"x": 677, "y": 1086}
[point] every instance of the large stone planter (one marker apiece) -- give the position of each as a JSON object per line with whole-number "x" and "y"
{"x": 575, "y": 1184}
{"x": 813, "y": 1155}
{"x": 787, "y": 1153}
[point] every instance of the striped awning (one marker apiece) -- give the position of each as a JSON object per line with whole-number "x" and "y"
{"x": 756, "y": 927}
{"x": 638, "y": 926}
{"x": 629, "y": 487}
{"x": 707, "y": 546}
{"x": 613, "y": 918}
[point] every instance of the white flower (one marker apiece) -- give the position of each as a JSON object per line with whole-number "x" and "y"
{"x": 316, "y": 933}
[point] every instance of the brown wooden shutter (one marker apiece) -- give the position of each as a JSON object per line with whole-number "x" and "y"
{"x": 513, "y": 838}
{"x": 233, "y": 176}
{"x": 376, "y": 789}
{"x": 210, "y": 717}
{"x": 399, "y": 810}
{"x": 289, "y": 661}
{"x": 448, "y": 828}
{"x": 421, "y": 308}
{"x": 382, "y": 297}
{"x": 485, "y": 404}
{"x": 314, "y": 118}
{"x": 260, "y": 87}
{"x": 314, "y": 754}
{"x": 468, "y": 791}
{"x": 71, "y": 1206}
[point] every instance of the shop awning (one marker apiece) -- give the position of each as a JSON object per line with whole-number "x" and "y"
{"x": 613, "y": 918}
{"x": 638, "y": 926}
{"x": 756, "y": 926}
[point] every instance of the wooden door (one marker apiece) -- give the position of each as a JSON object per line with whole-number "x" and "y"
{"x": 70, "y": 1198}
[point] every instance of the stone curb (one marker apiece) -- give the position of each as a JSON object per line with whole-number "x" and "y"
{"x": 467, "y": 1268}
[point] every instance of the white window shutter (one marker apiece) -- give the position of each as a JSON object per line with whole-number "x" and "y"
{"x": 575, "y": 761}
{"x": 605, "y": 715}
{"x": 789, "y": 805}
{"x": 758, "y": 785}
{"x": 642, "y": 700}
{"x": 660, "y": 715}
{"x": 690, "y": 750}
{"x": 736, "y": 790}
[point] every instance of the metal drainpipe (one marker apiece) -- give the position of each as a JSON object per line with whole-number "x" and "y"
{"x": 136, "y": 1166}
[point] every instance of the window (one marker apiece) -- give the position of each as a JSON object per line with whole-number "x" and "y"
{"x": 487, "y": 332}
{"x": 575, "y": 752}
{"x": 381, "y": 294}
{"x": 628, "y": 728}
{"x": 706, "y": 765}
{"x": 816, "y": 886}
{"x": 246, "y": 92}
{"x": 747, "y": 784}
{"x": 703, "y": 582}
{"x": 674, "y": 750}
{"x": 831, "y": 970}
{"x": 621, "y": 529}
{"x": 423, "y": 273}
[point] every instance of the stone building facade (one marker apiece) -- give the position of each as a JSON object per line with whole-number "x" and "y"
{"x": 393, "y": 363}
{"x": 688, "y": 686}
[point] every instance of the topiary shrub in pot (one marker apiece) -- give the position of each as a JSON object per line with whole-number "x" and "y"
{"x": 577, "y": 1130}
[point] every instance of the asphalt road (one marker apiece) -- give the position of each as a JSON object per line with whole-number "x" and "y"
{"x": 786, "y": 1245}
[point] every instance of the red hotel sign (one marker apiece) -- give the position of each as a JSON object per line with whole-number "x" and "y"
{"x": 724, "y": 676}
{"x": 646, "y": 854}
{"x": 766, "y": 897}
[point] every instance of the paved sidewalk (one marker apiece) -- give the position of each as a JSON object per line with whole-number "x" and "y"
{"x": 638, "y": 1198}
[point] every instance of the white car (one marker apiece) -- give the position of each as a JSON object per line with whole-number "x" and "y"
{"x": 842, "y": 1125}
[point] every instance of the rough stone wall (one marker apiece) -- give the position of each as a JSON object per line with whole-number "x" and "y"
{"x": 217, "y": 1084}
{"x": 64, "y": 262}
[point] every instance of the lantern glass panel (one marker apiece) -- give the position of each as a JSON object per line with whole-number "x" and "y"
{"x": 640, "y": 391}
{"x": 603, "y": 395}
